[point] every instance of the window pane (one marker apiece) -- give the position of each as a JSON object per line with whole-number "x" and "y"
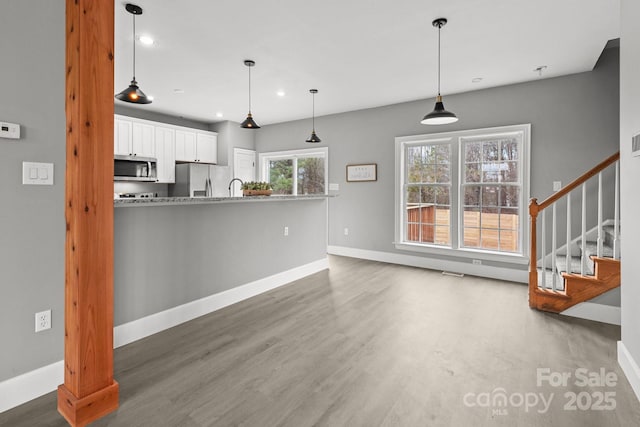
{"x": 428, "y": 235}
{"x": 473, "y": 152}
{"x": 413, "y": 195}
{"x": 442, "y": 196}
{"x": 509, "y": 172}
{"x": 509, "y": 240}
{"x": 428, "y": 194}
{"x": 509, "y": 219}
{"x": 472, "y": 237}
{"x": 472, "y": 195}
{"x": 490, "y": 239}
{"x": 510, "y": 196}
{"x": 442, "y": 216}
{"x": 443, "y": 153}
{"x": 490, "y": 196}
{"x": 489, "y": 151}
{"x": 429, "y": 173}
{"x": 491, "y": 172}
{"x": 442, "y": 174}
{"x": 429, "y": 154}
{"x": 311, "y": 175}
{"x": 472, "y": 172}
{"x": 471, "y": 217}
{"x": 442, "y": 235}
{"x": 414, "y": 164}
{"x": 281, "y": 176}
{"x": 510, "y": 149}
{"x": 413, "y": 232}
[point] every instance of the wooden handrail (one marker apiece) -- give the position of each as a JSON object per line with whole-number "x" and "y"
{"x": 578, "y": 181}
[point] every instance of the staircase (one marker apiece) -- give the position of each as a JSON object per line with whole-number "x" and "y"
{"x": 587, "y": 266}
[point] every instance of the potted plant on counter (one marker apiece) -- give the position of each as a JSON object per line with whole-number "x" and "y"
{"x": 256, "y": 189}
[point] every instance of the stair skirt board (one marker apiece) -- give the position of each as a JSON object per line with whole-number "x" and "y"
{"x": 593, "y": 311}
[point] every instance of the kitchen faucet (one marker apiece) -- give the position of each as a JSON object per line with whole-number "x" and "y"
{"x": 231, "y": 183}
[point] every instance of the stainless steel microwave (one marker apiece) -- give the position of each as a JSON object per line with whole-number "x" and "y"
{"x": 135, "y": 168}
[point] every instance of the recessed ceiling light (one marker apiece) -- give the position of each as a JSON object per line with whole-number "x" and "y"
{"x": 219, "y": 115}
{"x": 281, "y": 93}
{"x": 476, "y": 80}
{"x": 178, "y": 91}
{"x": 146, "y": 40}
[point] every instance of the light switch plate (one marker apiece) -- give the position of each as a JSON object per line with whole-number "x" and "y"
{"x": 334, "y": 187}
{"x": 557, "y": 185}
{"x": 37, "y": 173}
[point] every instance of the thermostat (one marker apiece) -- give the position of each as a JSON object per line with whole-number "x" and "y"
{"x": 9, "y": 130}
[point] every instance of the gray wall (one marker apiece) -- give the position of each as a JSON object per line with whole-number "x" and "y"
{"x": 167, "y": 256}
{"x": 32, "y": 42}
{"x": 574, "y": 122}
{"x": 630, "y": 177}
{"x": 230, "y": 136}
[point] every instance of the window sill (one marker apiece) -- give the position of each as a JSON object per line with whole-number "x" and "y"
{"x": 464, "y": 253}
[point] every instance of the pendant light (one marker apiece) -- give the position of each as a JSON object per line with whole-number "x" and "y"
{"x": 439, "y": 116}
{"x": 133, "y": 93}
{"x": 313, "y": 138}
{"x": 249, "y": 123}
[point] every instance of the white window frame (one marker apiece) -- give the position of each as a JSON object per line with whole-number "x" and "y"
{"x": 457, "y": 195}
{"x": 265, "y": 158}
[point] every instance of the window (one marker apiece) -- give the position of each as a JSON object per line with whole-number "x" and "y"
{"x": 296, "y": 172}
{"x": 464, "y": 191}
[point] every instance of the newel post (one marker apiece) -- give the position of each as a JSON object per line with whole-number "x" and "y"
{"x": 533, "y": 263}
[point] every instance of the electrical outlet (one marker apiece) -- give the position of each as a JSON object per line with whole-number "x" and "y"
{"x": 286, "y": 231}
{"x": 43, "y": 320}
{"x": 477, "y": 262}
{"x": 346, "y": 231}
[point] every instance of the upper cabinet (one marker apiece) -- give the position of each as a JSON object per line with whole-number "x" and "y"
{"x": 166, "y": 154}
{"x": 133, "y": 138}
{"x": 196, "y": 146}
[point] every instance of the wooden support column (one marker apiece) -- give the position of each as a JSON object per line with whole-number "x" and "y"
{"x": 89, "y": 390}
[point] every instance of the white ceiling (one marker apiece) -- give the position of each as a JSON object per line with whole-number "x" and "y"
{"x": 357, "y": 53}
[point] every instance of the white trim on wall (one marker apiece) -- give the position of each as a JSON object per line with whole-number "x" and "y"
{"x": 629, "y": 367}
{"x": 23, "y": 388}
{"x": 500, "y": 273}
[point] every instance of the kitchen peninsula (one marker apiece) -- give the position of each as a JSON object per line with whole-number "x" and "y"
{"x": 179, "y": 258}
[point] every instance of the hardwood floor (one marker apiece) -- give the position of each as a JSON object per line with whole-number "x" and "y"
{"x": 364, "y": 344}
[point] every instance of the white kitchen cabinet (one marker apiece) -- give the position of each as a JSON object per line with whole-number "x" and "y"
{"x": 143, "y": 140}
{"x": 185, "y": 145}
{"x": 207, "y": 148}
{"x": 166, "y": 154}
{"x": 122, "y": 137}
{"x": 132, "y": 138}
{"x": 196, "y": 147}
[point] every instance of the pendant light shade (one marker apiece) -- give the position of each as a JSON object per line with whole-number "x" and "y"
{"x": 313, "y": 138}
{"x": 249, "y": 123}
{"x": 133, "y": 93}
{"x": 439, "y": 116}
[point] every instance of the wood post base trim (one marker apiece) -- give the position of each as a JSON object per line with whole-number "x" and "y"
{"x": 80, "y": 412}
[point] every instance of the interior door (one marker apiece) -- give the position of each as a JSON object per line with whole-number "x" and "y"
{"x": 244, "y": 167}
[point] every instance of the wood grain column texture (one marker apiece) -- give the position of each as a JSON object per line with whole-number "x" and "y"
{"x": 89, "y": 390}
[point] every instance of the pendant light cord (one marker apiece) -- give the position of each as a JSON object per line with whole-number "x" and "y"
{"x": 134, "y": 46}
{"x": 249, "y": 89}
{"x": 313, "y": 113}
{"x": 439, "y": 28}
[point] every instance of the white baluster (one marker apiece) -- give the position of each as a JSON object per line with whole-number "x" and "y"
{"x": 544, "y": 250}
{"x": 616, "y": 216}
{"x": 599, "y": 249}
{"x": 583, "y": 232}
{"x": 568, "y": 256}
{"x": 554, "y": 274}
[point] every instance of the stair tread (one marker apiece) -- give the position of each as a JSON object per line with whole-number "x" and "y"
{"x": 591, "y": 248}
{"x": 576, "y": 261}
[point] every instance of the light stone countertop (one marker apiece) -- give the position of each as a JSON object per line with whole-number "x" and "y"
{"x": 181, "y": 201}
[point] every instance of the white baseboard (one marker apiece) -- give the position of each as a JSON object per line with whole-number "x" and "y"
{"x": 501, "y": 273}
{"x": 23, "y": 388}
{"x": 28, "y": 386}
{"x": 593, "y": 311}
{"x": 629, "y": 367}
